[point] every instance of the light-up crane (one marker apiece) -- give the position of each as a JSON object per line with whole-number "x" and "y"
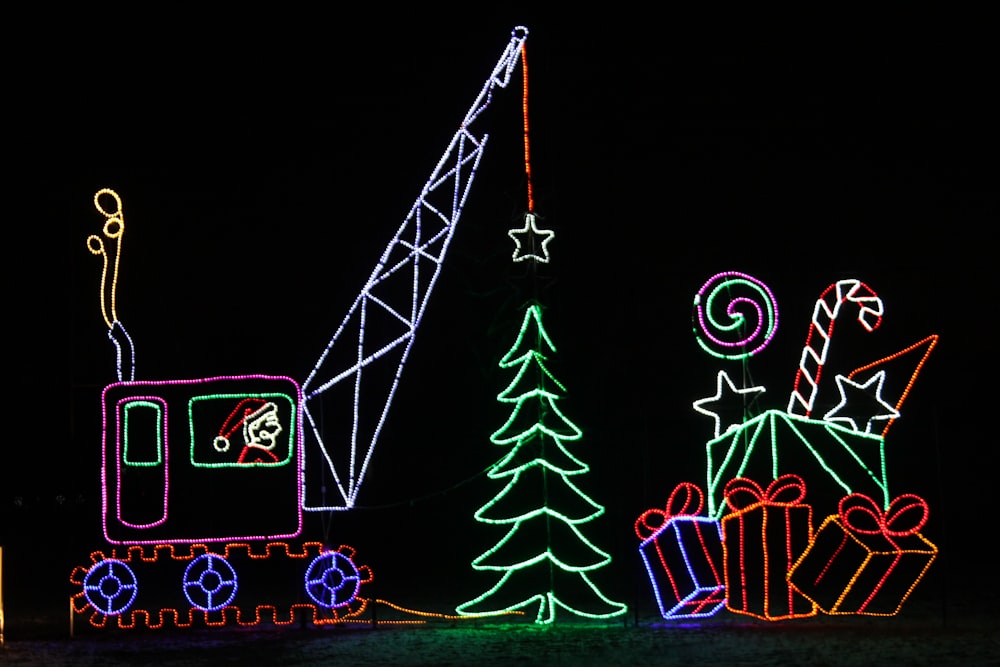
{"x": 205, "y": 480}
{"x": 378, "y": 331}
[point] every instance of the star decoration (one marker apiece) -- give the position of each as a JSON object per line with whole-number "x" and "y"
{"x": 733, "y": 401}
{"x": 864, "y": 399}
{"x": 526, "y": 241}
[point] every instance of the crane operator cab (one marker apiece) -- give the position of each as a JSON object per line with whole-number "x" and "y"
{"x": 179, "y": 456}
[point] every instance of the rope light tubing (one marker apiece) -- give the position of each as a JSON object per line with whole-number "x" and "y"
{"x": 113, "y": 230}
{"x": 527, "y": 143}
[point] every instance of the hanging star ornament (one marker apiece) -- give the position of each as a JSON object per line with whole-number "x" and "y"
{"x": 862, "y": 399}
{"x": 728, "y": 400}
{"x": 530, "y": 239}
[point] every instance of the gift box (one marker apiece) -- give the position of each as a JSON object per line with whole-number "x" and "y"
{"x": 683, "y": 555}
{"x": 864, "y": 560}
{"x": 762, "y": 537}
{"x": 836, "y": 460}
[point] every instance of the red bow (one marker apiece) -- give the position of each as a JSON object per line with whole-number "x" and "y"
{"x": 685, "y": 494}
{"x": 906, "y": 515}
{"x": 785, "y": 490}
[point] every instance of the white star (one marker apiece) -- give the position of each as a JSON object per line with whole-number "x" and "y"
{"x": 746, "y": 396}
{"x": 526, "y": 250}
{"x": 876, "y": 405}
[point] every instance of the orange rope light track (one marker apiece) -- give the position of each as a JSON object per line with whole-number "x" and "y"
{"x": 524, "y": 108}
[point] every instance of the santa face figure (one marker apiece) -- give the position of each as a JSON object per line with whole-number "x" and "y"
{"x": 257, "y": 421}
{"x": 261, "y": 429}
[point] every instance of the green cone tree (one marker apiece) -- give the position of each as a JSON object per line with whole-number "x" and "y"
{"x": 544, "y": 561}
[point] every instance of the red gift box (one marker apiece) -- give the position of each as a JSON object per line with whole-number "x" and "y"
{"x": 864, "y": 560}
{"x": 682, "y": 553}
{"x": 763, "y": 536}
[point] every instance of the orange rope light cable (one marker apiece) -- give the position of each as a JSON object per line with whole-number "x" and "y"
{"x": 524, "y": 107}
{"x": 449, "y": 617}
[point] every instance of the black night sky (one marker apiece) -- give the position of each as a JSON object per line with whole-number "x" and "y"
{"x": 263, "y": 174}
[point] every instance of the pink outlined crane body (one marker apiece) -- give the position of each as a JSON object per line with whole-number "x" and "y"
{"x": 167, "y": 479}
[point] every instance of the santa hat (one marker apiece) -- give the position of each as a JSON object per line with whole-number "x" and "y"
{"x": 236, "y": 420}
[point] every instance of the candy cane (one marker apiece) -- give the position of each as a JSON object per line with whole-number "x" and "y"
{"x": 824, "y": 316}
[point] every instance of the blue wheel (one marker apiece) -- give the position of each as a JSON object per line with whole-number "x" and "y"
{"x": 332, "y": 580}
{"x": 110, "y": 587}
{"x": 209, "y": 582}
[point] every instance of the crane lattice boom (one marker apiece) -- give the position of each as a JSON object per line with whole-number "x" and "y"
{"x": 359, "y": 371}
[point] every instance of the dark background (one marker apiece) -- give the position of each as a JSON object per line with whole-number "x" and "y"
{"x": 291, "y": 151}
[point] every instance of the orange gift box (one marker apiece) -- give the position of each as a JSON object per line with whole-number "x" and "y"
{"x": 762, "y": 537}
{"x": 864, "y": 560}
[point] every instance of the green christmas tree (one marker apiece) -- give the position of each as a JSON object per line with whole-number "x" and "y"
{"x": 544, "y": 560}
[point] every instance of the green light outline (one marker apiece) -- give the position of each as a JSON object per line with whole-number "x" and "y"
{"x": 770, "y": 418}
{"x": 158, "y": 408}
{"x": 236, "y": 464}
{"x": 538, "y": 435}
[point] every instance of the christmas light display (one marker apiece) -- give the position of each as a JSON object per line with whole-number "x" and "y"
{"x": 725, "y": 400}
{"x": 221, "y": 461}
{"x": 114, "y": 230}
{"x": 825, "y": 313}
{"x": 544, "y": 560}
{"x": 731, "y": 339}
{"x": 846, "y": 567}
{"x": 843, "y": 454}
{"x": 864, "y": 560}
{"x": 178, "y": 459}
{"x": 380, "y": 325}
{"x": 682, "y": 553}
{"x": 761, "y": 541}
